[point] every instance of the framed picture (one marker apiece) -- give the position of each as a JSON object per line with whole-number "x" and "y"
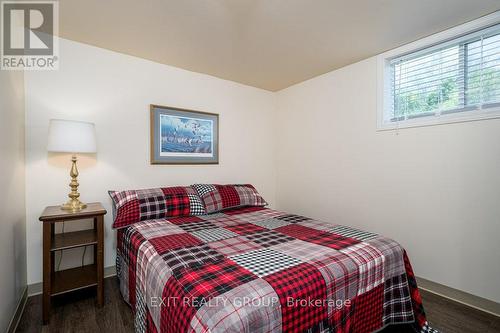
{"x": 180, "y": 136}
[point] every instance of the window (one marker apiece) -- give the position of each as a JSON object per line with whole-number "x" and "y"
{"x": 453, "y": 80}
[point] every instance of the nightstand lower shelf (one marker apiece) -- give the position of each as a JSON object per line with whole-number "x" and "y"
{"x": 73, "y": 279}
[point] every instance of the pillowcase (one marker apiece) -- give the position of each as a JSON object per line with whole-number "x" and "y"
{"x": 221, "y": 197}
{"x": 139, "y": 205}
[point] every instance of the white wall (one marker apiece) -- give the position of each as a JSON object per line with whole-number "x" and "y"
{"x": 12, "y": 208}
{"x": 436, "y": 189}
{"x": 114, "y": 91}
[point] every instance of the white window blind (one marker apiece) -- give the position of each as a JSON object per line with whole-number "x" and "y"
{"x": 459, "y": 75}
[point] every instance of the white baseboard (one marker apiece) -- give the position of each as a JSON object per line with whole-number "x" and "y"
{"x": 14, "y": 322}
{"x": 459, "y": 296}
{"x": 37, "y": 288}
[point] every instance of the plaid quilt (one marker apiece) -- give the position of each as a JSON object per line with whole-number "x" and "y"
{"x": 260, "y": 270}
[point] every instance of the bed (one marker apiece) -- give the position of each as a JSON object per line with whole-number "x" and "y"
{"x": 255, "y": 269}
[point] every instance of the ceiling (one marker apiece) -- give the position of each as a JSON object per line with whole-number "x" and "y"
{"x": 270, "y": 44}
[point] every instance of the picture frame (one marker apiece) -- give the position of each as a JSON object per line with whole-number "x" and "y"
{"x": 182, "y": 136}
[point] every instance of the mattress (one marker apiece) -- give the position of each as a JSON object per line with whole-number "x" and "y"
{"x": 260, "y": 270}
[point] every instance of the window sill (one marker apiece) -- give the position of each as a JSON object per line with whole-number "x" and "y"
{"x": 475, "y": 115}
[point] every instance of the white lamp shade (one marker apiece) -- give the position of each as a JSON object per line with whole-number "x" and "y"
{"x": 67, "y": 136}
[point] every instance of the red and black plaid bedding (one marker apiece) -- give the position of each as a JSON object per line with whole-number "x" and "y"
{"x": 260, "y": 270}
{"x": 133, "y": 206}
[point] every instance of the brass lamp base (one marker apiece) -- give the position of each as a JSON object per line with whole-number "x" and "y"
{"x": 74, "y": 204}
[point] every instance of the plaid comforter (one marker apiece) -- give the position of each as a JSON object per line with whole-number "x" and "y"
{"x": 260, "y": 270}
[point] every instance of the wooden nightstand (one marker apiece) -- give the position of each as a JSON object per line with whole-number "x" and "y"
{"x": 56, "y": 283}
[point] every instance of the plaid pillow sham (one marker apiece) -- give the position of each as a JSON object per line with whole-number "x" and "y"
{"x": 221, "y": 197}
{"x": 139, "y": 205}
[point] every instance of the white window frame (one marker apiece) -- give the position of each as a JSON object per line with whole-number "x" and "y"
{"x": 384, "y": 102}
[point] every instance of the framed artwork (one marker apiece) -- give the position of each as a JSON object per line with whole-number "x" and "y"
{"x": 180, "y": 136}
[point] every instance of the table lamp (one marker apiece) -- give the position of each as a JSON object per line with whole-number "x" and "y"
{"x": 75, "y": 137}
